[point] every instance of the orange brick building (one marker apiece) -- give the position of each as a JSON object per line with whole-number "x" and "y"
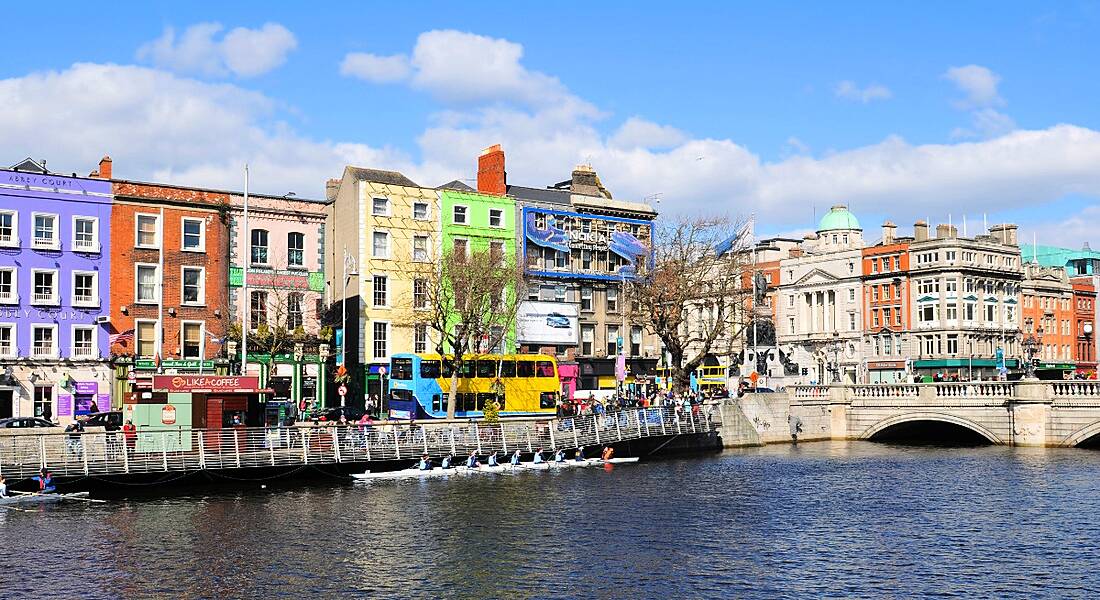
{"x": 189, "y": 226}
{"x": 1047, "y": 297}
{"x": 886, "y": 306}
{"x": 1084, "y": 326}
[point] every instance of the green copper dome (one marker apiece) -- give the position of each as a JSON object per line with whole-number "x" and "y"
{"x": 838, "y": 217}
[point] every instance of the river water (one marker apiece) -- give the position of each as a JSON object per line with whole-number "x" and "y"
{"x": 842, "y": 519}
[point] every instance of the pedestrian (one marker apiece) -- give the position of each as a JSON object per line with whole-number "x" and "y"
{"x": 130, "y": 433}
{"x": 47, "y": 412}
{"x": 74, "y": 430}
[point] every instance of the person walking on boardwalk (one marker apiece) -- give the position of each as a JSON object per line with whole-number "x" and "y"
{"x": 129, "y": 431}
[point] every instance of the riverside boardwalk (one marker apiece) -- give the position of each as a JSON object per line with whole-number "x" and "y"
{"x": 190, "y": 450}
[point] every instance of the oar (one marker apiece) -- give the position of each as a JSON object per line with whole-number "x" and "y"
{"x": 82, "y": 499}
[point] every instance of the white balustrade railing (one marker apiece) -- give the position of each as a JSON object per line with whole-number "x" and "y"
{"x": 811, "y": 391}
{"x": 179, "y": 450}
{"x": 1076, "y": 389}
{"x": 885, "y": 391}
{"x": 976, "y": 389}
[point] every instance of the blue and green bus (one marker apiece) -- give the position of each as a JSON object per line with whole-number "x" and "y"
{"x": 417, "y": 384}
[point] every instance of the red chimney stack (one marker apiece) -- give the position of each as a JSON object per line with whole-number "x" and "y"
{"x": 491, "y": 176}
{"x": 104, "y": 171}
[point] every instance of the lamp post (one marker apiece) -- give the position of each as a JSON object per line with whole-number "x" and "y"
{"x": 1031, "y": 345}
{"x": 834, "y": 347}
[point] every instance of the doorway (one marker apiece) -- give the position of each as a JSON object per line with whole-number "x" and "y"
{"x": 6, "y": 401}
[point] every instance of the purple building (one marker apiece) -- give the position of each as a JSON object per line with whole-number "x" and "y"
{"x": 54, "y": 300}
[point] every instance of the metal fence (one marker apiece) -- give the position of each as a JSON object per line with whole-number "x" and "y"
{"x": 182, "y": 450}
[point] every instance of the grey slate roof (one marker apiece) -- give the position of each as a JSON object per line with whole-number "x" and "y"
{"x": 457, "y": 186}
{"x": 539, "y": 194}
{"x": 384, "y": 177}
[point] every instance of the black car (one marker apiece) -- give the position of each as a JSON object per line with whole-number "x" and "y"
{"x": 109, "y": 420}
{"x": 23, "y": 422}
{"x": 351, "y": 413}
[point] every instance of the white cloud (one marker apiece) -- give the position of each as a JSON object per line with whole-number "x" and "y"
{"x": 986, "y": 123}
{"x": 978, "y": 83}
{"x": 469, "y": 69}
{"x": 374, "y": 68}
{"x": 850, "y": 91}
{"x": 795, "y": 146}
{"x": 637, "y": 132}
{"x": 242, "y": 52}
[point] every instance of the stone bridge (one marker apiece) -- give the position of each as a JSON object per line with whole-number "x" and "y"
{"x": 1023, "y": 413}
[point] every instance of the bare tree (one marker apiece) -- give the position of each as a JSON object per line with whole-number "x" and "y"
{"x": 692, "y": 294}
{"x": 469, "y": 304}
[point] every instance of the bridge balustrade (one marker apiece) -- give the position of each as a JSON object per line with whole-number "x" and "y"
{"x": 885, "y": 391}
{"x": 1076, "y": 389}
{"x": 183, "y": 450}
{"x": 976, "y": 389}
{"x": 820, "y": 392}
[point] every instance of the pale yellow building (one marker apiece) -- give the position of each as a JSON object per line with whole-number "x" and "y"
{"x": 384, "y": 232}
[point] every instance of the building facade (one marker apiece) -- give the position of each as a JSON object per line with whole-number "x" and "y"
{"x": 284, "y": 251}
{"x": 579, "y": 246}
{"x": 965, "y": 296}
{"x": 55, "y": 264}
{"x": 887, "y": 316}
{"x": 1084, "y": 326}
{"x": 385, "y": 235}
{"x": 820, "y": 308}
{"x": 169, "y": 299}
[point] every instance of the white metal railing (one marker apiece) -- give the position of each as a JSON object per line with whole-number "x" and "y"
{"x": 9, "y": 296}
{"x": 811, "y": 391}
{"x": 185, "y": 449}
{"x": 40, "y": 242}
{"x": 6, "y": 238}
{"x": 85, "y": 299}
{"x": 43, "y": 351}
{"x": 40, "y": 298}
{"x": 86, "y": 245}
{"x": 84, "y": 352}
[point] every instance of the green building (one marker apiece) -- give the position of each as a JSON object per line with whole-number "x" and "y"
{"x": 476, "y": 222}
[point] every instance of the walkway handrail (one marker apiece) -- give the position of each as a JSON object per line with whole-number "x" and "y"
{"x": 182, "y": 450}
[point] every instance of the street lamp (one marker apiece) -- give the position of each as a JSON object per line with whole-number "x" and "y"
{"x": 834, "y": 347}
{"x": 1031, "y": 345}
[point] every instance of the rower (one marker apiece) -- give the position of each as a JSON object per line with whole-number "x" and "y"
{"x": 538, "y": 457}
{"x": 447, "y": 460}
{"x": 559, "y": 456}
{"x": 515, "y": 458}
{"x": 473, "y": 462}
{"x": 425, "y": 462}
{"x": 45, "y": 482}
{"x": 579, "y": 456}
{"x": 493, "y": 460}
{"x": 3, "y": 487}
{"x": 608, "y": 452}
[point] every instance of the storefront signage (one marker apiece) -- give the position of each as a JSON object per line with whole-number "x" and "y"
{"x": 313, "y": 281}
{"x": 205, "y": 383}
{"x": 85, "y": 387}
{"x": 53, "y": 182}
{"x": 886, "y": 364}
{"x": 168, "y": 414}
{"x": 174, "y": 364}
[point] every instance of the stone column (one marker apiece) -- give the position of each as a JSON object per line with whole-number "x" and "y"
{"x": 1029, "y": 414}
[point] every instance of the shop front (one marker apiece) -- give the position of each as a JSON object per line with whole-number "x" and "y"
{"x": 59, "y": 392}
{"x": 886, "y": 371}
{"x": 296, "y": 381}
{"x": 963, "y": 369}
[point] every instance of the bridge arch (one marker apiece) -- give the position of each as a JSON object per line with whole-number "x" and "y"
{"x": 1083, "y": 435}
{"x": 885, "y": 424}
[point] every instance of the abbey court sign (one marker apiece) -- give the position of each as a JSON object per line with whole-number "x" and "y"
{"x": 210, "y": 384}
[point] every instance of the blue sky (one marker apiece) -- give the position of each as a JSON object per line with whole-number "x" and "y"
{"x": 902, "y": 110}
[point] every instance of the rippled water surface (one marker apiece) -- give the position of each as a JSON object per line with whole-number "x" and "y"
{"x": 820, "y": 519}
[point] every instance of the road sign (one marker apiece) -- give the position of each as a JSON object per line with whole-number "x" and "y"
{"x": 132, "y": 376}
{"x": 342, "y": 390}
{"x": 382, "y": 370}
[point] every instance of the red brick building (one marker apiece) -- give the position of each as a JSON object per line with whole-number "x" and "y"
{"x": 886, "y": 306}
{"x": 186, "y": 287}
{"x": 1084, "y": 327}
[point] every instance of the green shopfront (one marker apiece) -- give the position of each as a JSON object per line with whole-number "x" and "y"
{"x": 963, "y": 369}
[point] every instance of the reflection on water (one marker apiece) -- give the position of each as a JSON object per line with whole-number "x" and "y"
{"x": 831, "y": 518}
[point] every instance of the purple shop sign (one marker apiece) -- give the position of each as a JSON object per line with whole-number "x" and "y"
{"x": 85, "y": 387}
{"x": 104, "y": 402}
{"x": 64, "y": 405}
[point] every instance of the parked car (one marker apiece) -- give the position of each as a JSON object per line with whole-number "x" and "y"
{"x": 333, "y": 414}
{"x": 103, "y": 421}
{"x": 24, "y": 422}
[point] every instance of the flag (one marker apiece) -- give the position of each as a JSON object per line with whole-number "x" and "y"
{"x": 156, "y": 361}
{"x": 121, "y": 338}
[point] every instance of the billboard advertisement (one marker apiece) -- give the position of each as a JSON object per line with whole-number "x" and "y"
{"x": 547, "y": 323}
{"x": 586, "y": 238}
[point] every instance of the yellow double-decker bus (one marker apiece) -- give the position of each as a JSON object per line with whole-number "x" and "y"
{"x": 419, "y": 385}
{"x": 709, "y": 379}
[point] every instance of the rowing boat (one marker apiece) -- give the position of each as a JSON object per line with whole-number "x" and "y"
{"x": 612, "y": 461}
{"x": 41, "y": 498}
{"x": 416, "y": 473}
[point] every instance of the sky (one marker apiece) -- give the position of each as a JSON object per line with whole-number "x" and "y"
{"x": 903, "y": 111}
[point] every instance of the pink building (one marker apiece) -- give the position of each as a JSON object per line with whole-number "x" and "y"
{"x": 284, "y": 250}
